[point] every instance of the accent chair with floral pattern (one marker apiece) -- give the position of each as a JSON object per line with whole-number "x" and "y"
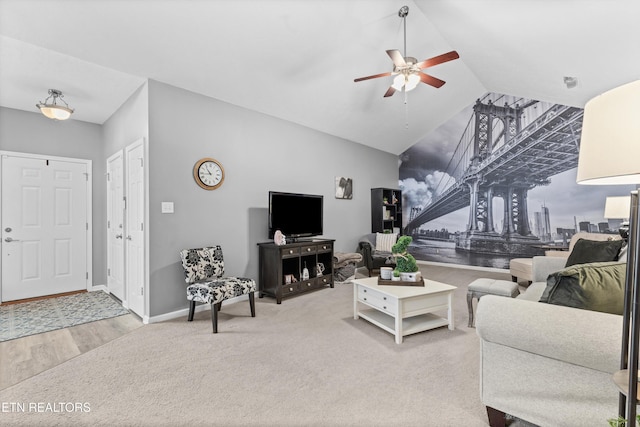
{"x": 204, "y": 273}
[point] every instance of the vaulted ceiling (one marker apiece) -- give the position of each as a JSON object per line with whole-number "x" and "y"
{"x": 296, "y": 60}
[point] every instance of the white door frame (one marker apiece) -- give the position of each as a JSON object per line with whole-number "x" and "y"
{"x": 89, "y": 212}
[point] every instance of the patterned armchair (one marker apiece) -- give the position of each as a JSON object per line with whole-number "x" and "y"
{"x": 204, "y": 272}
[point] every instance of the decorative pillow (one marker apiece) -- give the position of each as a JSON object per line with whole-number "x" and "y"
{"x": 597, "y": 286}
{"x": 384, "y": 241}
{"x": 585, "y": 251}
{"x": 622, "y": 256}
{"x": 201, "y": 264}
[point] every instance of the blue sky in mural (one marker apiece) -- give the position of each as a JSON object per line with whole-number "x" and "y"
{"x": 425, "y": 164}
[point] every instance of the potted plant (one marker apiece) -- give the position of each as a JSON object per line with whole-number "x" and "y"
{"x": 620, "y": 422}
{"x": 396, "y": 275}
{"x": 405, "y": 262}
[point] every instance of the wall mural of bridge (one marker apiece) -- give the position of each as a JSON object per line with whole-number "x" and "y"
{"x": 497, "y": 182}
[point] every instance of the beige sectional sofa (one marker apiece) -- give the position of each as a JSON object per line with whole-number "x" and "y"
{"x": 547, "y": 364}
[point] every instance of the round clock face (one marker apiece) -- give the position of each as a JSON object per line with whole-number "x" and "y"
{"x": 208, "y": 173}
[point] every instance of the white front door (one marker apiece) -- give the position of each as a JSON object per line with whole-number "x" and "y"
{"x": 44, "y": 226}
{"x": 115, "y": 226}
{"x": 135, "y": 226}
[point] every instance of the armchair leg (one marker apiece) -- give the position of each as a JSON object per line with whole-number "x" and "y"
{"x": 252, "y": 304}
{"x": 192, "y": 309}
{"x": 496, "y": 417}
{"x": 214, "y": 317}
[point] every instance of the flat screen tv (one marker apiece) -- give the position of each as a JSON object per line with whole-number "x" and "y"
{"x": 295, "y": 215}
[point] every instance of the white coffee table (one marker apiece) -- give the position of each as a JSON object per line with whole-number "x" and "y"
{"x": 403, "y": 310}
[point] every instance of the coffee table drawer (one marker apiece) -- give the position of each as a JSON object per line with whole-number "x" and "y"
{"x": 378, "y": 300}
{"x": 423, "y": 304}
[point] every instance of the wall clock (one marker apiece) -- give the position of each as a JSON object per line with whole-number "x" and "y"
{"x": 208, "y": 173}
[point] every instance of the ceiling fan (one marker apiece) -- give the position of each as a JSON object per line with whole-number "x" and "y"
{"x": 407, "y": 69}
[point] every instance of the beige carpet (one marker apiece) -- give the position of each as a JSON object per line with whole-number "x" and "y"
{"x": 305, "y": 362}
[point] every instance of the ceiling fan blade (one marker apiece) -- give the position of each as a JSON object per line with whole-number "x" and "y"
{"x": 389, "y": 91}
{"x": 445, "y": 57}
{"x": 430, "y": 80}
{"x": 372, "y": 77}
{"x": 397, "y": 58}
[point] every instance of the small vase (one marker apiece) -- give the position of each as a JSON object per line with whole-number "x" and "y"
{"x": 395, "y": 278}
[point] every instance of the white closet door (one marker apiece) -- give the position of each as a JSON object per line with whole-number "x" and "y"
{"x": 115, "y": 226}
{"x": 135, "y": 226}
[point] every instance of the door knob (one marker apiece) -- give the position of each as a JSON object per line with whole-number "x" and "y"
{"x": 9, "y": 240}
{"x": 118, "y": 236}
{"x": 128, "y": 237}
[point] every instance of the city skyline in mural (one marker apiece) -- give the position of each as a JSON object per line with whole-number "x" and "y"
{"x": 437, "y": 165}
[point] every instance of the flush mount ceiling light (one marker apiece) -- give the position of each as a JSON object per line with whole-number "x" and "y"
{"x": 52, "y": 109}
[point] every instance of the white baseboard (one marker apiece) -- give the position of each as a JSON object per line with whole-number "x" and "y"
{"x": 185, "y": 311}
{"x": 464, "y": 266}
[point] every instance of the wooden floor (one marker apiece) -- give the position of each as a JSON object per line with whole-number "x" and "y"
{"x": 25, "y": 357}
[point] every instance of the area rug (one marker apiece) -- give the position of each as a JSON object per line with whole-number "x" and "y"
{"x": 35, "y": 317}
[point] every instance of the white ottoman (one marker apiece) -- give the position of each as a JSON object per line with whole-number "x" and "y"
{"x": 480, "y": 287}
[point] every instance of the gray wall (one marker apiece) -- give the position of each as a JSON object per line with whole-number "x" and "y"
{"x": 128, "y": 124}
{"x": 26, "y": 132}
{"x": 259, "y": 153}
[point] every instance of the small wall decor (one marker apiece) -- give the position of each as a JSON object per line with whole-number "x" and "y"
{"x": 344, "y": 188}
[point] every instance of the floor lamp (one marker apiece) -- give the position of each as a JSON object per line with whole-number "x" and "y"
{"x": 610, "y": 155}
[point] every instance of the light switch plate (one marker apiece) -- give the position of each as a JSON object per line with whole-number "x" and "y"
{"x": 167, "y": 207}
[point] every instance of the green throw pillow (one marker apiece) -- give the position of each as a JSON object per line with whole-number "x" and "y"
{"x": 597, "y": 286}
{"x": 585, "y": 251}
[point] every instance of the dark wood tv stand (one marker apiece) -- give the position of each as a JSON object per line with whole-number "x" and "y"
{"x": 282, "y": 264}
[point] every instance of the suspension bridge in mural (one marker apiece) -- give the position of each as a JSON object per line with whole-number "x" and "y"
{"x": 504, "y": 151}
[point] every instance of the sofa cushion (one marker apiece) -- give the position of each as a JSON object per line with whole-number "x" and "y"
{"x": 586, "y": 251}
{"x": 385, "y": 241}
{"x": 534, "y": 292}
{"x": 594, "y": 286}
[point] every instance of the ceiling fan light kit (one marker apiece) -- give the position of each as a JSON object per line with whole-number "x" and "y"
{"x": 407, "y": 70}
{"x": 52, "y": 109}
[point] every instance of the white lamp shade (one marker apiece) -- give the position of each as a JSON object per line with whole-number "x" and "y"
{"x": 610, "y": 141}
{"x": 56, "y": 112}
{"x": 398, "y": 82}
{"x": 617, "y": 207}
{"x": 412, "y": 82}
